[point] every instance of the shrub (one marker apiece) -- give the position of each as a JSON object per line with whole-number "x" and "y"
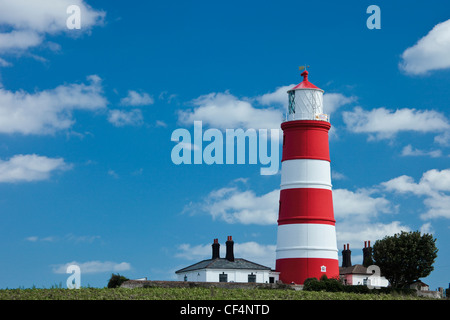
{"x": 356, "y": 289}
{"x": 333, "y": 285}
{"x": 313, "y": 284}
{"x": 116, "y": 280}
{"x": 324, "y": 284}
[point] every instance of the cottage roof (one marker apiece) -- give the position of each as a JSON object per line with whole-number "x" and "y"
{"x": 220, "y": 263}
{"x": 355, "y": 269}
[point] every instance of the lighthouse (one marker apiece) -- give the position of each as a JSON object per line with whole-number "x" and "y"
{"x": 306, "y": 235}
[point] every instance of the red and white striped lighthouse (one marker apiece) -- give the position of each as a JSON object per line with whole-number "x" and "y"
{"x": 306, "y": 240}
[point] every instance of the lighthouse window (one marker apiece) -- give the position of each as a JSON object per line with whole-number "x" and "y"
{"x": 291, "y": 102}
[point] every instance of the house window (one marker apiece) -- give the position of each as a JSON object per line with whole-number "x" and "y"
{"x": 223, "y": 277}
{"x": 271, "y": 279}
{"x": 252, "y": 277}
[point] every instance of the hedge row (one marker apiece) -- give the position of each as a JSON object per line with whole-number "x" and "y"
{"x": 335, "y": 285}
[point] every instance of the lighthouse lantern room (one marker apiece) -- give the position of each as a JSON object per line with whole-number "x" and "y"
{"x": 306, "y": 239}
{"x": 306, "y": 101}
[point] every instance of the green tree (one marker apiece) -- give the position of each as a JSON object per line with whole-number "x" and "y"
{"x": 405, "y": 257}
{"x": 116, "y": 280}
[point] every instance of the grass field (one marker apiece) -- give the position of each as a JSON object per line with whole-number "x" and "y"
{"x": 188, "y": 294}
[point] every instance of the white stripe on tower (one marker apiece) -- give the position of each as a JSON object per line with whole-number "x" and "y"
{"x": 305, "y": 173}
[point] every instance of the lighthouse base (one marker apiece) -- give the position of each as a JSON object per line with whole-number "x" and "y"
{"x": 297, "y": 270}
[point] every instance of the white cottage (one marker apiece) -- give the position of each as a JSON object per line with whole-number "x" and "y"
{"x": 227, "y": 269}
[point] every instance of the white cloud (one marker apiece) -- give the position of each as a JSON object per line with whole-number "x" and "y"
{"x": 48, "y": 111}
{"x": 409, "y": 151}
{"x": 434, "y": 186}
{"x": 225, "y": 111}
{"x": 426, "y": 228}
{"x": 19, "y": 40}
{"x": 405, "y": 184}
{"x": 357, "y": 215}
{"x": 359, "y": 205}
{"x": 333, "y": 101}
{"x": 94, "y": 267}
{"x": 31, "y": 20}
{"x": 121, "y": 118}
{"x": 278, "y": 97}
{"x": 235, "y": 206}
{"x": 197, "y": 252}
{"x": 432, "y": 182}
{"x": 430, "y": 53}
{"x": 4, "y": 63}
{"x": 27, "y": 168}
{"x": 357, "y": 233}
{"x": 160, "y": 123}
{"x": 137, "y": 99}
{"x": 438, "y": 206}
{"x": 337, "y": 175}
{"x": 382, "y": 123}
{"x": 443, "y": 139}
{"x": 113, "y": 174}
{"x": 68, "y": 237}
{"x": 44, "y": 239}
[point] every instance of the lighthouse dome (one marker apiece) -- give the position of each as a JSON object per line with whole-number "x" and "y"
{"x": 305, "y": 84}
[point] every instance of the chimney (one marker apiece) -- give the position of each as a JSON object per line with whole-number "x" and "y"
{"x": 346, "y": 257}
{"x": 367, "y": 254}
{"x": 215, "y": 249}
{"x": 230, "y": 254}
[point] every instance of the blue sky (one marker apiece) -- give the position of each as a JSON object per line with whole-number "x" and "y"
{"x": 86, "y": 119}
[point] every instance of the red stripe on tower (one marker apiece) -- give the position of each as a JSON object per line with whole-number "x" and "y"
{"x": 306, "y": 241}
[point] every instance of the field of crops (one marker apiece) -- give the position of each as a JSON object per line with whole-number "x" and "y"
{"x": 187, "y": 294}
